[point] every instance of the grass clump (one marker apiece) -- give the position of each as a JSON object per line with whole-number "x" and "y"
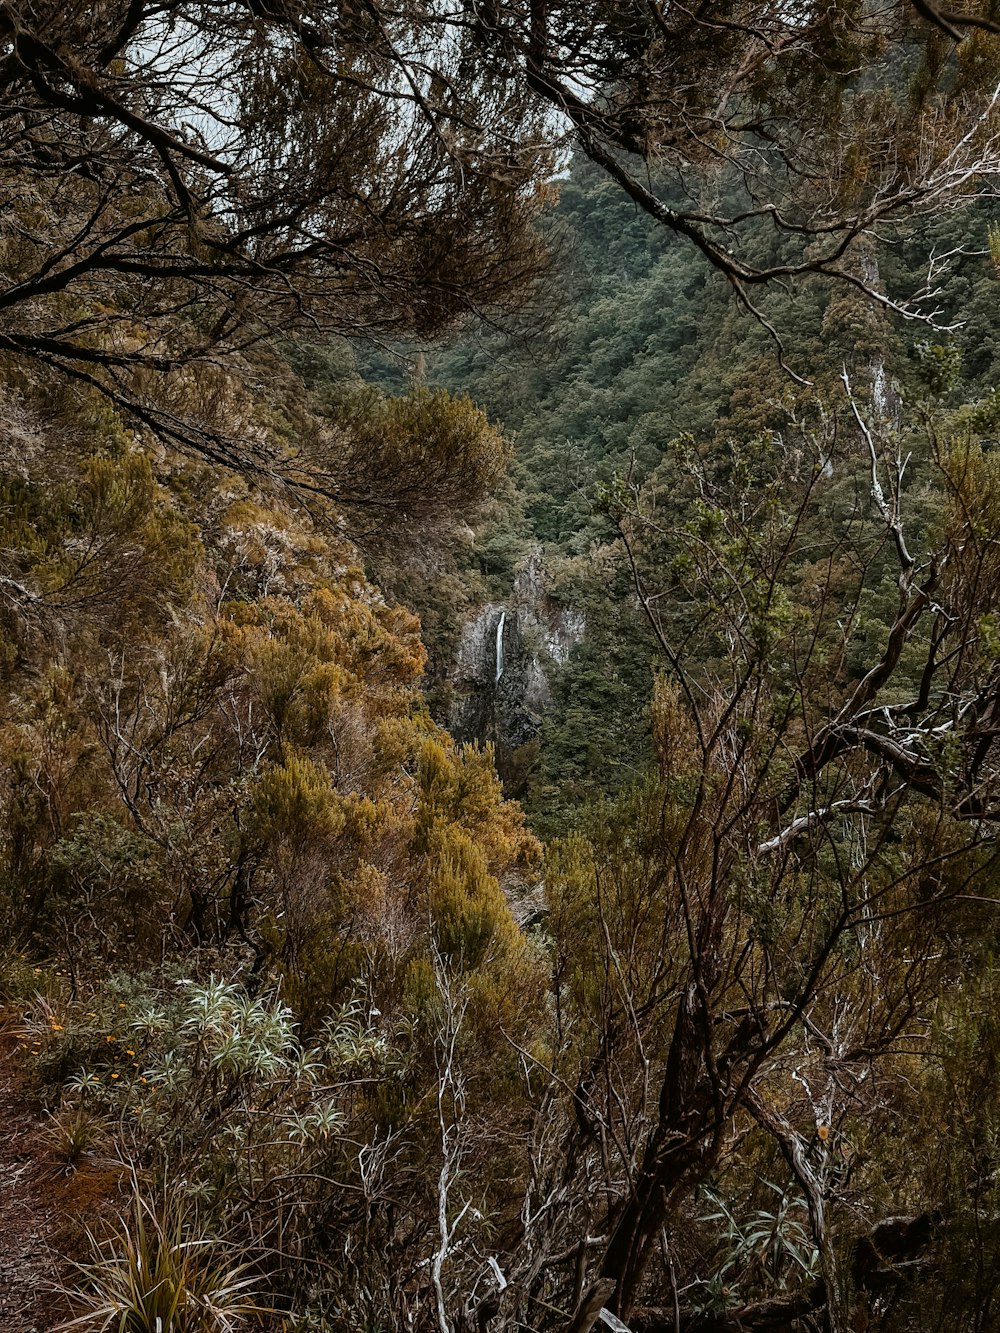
{"x": 155, "y": 1273}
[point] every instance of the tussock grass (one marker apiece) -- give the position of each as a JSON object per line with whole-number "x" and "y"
{"x": 155, "y": 1274}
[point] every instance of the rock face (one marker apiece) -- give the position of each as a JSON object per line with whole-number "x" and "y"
{"x": 500, "y": 680}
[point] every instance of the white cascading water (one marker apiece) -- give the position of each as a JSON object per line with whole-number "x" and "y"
{"x": 500, "y": 624}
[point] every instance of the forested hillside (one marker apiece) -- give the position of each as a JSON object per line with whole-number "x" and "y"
{"x": 646, "y": 359}
{"x": 499, "y": 667}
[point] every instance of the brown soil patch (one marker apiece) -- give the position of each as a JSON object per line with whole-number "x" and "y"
{"x": 29, "y": 1264}
{"x": 43, "y": 1208}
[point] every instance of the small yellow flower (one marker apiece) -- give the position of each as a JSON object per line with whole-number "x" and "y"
{"x": 128, "y": 1052}
{"x": 114, "y": 1075}
{"x": 109, "y": 1038}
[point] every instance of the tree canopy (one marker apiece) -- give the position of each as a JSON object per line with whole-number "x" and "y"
{"x": 185, "y": 178}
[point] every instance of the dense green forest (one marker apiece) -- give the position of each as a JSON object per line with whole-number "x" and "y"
{"x": 647, "y": 358}
{"x": 499, "y": 667}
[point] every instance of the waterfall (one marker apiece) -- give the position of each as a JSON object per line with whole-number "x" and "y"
{"x": 500, "y": 624}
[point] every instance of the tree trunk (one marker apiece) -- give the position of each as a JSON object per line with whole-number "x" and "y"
{"x": 679, "y": 1151}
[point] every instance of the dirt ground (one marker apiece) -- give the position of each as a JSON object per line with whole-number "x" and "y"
{"x": 29, "y": 1264}
{"x": 43, "y": 1205}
